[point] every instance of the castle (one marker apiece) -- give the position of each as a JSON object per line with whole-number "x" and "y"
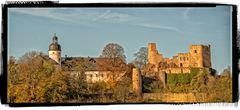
{"x": 199, "y": 56}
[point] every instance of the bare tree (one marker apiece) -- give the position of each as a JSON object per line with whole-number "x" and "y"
{"x": 112, "y": 58}
{"x": 141, "y": 57}
{"x": 113, "y": 50}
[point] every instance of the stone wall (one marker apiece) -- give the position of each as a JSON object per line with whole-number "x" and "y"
{"x": 153, "y": 56}
{"x": 177, "y": 70}
{"x": 199, "y": 56}
{"x": 176, "y": 97}
{"x": 207, "y": 56}
{"x": 196, "y": 58}
{"x": 137, "y": 81}
{"x": 98, "y": 76}
{"x": 183, "y": 59}
{"x": 162, "y": 78}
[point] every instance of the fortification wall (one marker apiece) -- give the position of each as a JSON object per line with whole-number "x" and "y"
{"x": 176, "y": 97}
{"x": 177, "y": 70}
{"x": 137, "y": 81}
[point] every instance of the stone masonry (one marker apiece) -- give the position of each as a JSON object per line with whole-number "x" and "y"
{"x": 137, "y": 82}
{"x": 199, "y": 56}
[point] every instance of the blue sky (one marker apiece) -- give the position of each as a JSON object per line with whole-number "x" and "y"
{"x": 85, "y": 31}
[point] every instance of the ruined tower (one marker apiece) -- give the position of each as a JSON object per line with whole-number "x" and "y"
{"x": 137, "y": 82}
{"x": 54, "y": 51}
{"x": 153, "y": 56}
{"x": 200, "y": 56}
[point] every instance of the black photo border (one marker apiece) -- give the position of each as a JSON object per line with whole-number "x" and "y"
{"x": 49, "y": 4}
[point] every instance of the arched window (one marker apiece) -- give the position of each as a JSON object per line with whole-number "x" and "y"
{"x": 181, "y": 64}
{"x": 195, "y": 51}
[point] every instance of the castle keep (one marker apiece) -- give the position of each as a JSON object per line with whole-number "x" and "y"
{"x": 198, "y": 57}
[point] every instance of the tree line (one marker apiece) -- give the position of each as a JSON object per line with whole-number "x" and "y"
{"x": 36, "y": 79}
{"x": 33, "y": 78}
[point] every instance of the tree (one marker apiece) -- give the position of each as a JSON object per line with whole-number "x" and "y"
{"x": 12, "y": 79}
{"x": 34, "y": 78}
{"x": 222, "y": 89}
{"x": 113, "y": 50}
{"x": 112, "y": 58}
{"x": 141, "y": 58}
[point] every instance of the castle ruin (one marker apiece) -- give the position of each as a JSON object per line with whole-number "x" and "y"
{"x": 199, "y": 56}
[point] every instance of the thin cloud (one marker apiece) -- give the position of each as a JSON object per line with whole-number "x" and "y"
{"x": 154, "y": 26}
{"x": 114, "y": 17}
{"x": 74, "y": 15}
{"x": 47, "y": 13}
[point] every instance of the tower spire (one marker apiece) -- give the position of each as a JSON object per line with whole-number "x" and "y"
{"x": 55, "y": 38}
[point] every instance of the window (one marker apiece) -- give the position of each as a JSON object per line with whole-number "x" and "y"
{"x": 180, "y": 58}
{"x": 183, "y": 58}
{"x": 181, "y": 64}
{"x": 195, "y": 51}
{"x": 91, "y": 75}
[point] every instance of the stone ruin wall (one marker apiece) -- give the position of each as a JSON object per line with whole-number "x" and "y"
{"x": 153, "y": 56}
{"x": 207, "y": 56}
{"x": 137, "y": 82}
{"x": 183, "y": 60}
{"x": 176, "y": 70}
{"x": 176, "y": 97}
{"x": 196, "y": 59}
{"x": 199, "y": 56}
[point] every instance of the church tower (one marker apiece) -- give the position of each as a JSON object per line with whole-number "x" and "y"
{"x": 54, "y": 51}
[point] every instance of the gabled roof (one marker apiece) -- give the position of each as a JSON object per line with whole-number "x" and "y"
{"x": 92, "y": 64}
